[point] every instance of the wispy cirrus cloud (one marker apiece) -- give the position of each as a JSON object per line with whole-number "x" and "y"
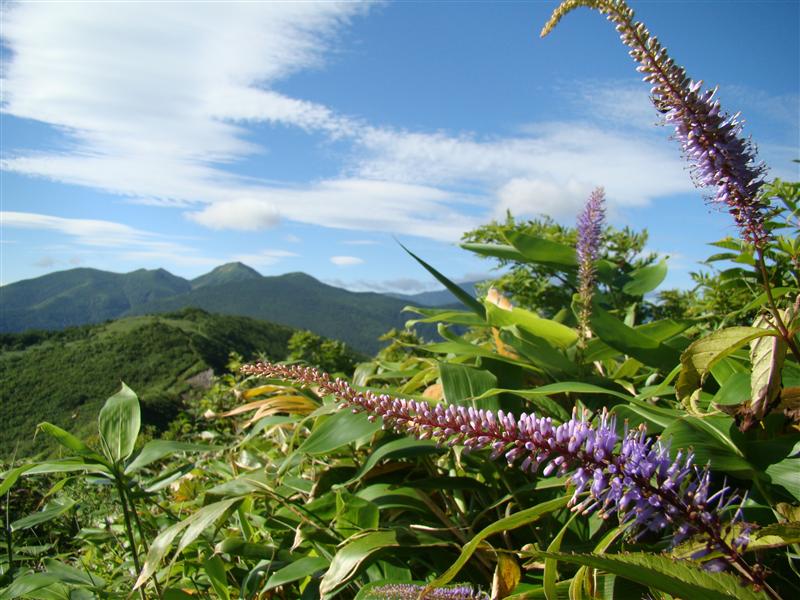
{"x": 157, "y": 103}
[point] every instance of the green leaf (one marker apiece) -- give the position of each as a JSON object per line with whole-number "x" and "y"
{"x": 25, "y": 584}
{"x": 69, "y": 574}
{"x": 462, "y": 384}
{"x": 698, "y": 359}
{"x": 10, "y": 477}
{"x": 119, "y": 422}
{"x": 551, "y": 564}
{"x": 53, "y": 511}
{"x": 354, "y": 514}
{"x": 445, "y": 315}
{"x": 194, "y": 525}
{"x": 709, "y": 438}
{"x": 503, "y": 251}
{"x": 523, "y": 517}
{"x": 465, "y": 299}
{"x": 543, "y": 251}
{"x": 68, "y": 465}
{"x": 786, "y": 474}
{"x": 69, "y": 441}
{"x": 352, "y": 554}
{"x": 296, "y": 570}
{"x": 215, "y": 570}
{"x": 645, "y": 279}
{"x": 632, "y": 342}
{"x": 553, "y": 332}
{"x": 404, "y": 447}
{"x": 342, "y": 428}
{"x": 538, "y": 351}
{"x": 157, "y": 449}
{"x": 676, "y": 577}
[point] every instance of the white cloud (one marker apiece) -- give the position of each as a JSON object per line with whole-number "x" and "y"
{"x": 346, "y": 261}
{"x": 127, "y": 243}
{"x": 265, "y": 257}
{"x": 156, "y": 103}
{"x": 359, "y": 242}
{"x": 244, "y": 214}
{"x": 292, "y": 239}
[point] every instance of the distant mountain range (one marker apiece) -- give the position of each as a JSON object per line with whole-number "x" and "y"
{"x": 84, "y": 296}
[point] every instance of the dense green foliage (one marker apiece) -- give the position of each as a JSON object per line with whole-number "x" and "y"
{"x": 62, "y": 376}
{"x": 265, "y": 489}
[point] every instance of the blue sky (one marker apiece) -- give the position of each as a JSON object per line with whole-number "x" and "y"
{"x": 308, "y": 136}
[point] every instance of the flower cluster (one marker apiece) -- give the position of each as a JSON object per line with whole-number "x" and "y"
{"x": 590, "y": 228}
{"x": 631, "y": 475}
{"x": 410, "y": 591}
{"x": 711, "y": 139}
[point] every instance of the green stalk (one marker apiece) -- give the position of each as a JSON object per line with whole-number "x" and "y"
{"x": 128, "y": 529}
{"x": 784, "y": 331}
{"x": 142, "y": 537}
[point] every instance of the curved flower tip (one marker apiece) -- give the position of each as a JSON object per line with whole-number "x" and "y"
{"x": 711, "y": 140}
{"x": 410, "y": 591}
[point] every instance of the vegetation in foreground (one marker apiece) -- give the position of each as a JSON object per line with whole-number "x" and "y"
{"x": 651, "y": 448}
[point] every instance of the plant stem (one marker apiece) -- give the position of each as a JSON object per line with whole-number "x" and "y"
{"x": 143, "y": 538}
{"x": 128, "y": 529}
{"x": 784, "y": 331}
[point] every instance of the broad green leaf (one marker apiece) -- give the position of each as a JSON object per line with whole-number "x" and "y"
{"x": 69, "y": 441}
{"x": 10, "y": 477}
{"x": 157, "y": 449}
{"x": 69, "y": 574}
{"x": 786, "y": 474}
{"x": 354, "y": 514}
{"x": 194, "y": 525}
{"x": 387, "y": 495}
{"x": 351, "y": 555}
{"x": 538, "y": 351}
{"x": 523, "y": 517}
{"x": 543, "y": 251}
{"x": 28, "y": 583}
{"x": 645, "y": 279}
{"x": 404, "y": 447}
{"x": 119, "y": 422}
{"x": 555, "y": 333}
{"x": 503, "y": 251}
{"x": 679, "y": 578}
{"x": 632, "y": 342}
{"x": 462, "y": 385}
{"x": 446, "y": 315}
{"x": 735, "y": 390}
{"x": 53, "y": 511}
{"x": 340, "y": 429}
{"x": 700, "y": 357}
{"x": 296, "y": 570}
{"x": 68, "y": 465}
{"x": 710, "y": 440}
{"x": 237, "y": 546}
{"x": 215, "y": 571}
{"x": 463, "y": 297}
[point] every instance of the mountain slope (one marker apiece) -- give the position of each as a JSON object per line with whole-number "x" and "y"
{"x": 297, "y": 300}
{"x": 64, "y": 377}
{"x": 225, "y": 274}
{"x": 81, "y": 296}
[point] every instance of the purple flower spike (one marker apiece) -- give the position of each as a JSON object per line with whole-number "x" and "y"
{"x": 410, "y": 591}
{"x": 631, "y": 476}
{"x": 590, "y": 229}
{"x": 710, "y": 139}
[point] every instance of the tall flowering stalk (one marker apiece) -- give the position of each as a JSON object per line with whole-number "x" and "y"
{"x": 639, "y": 482}
{"x": 590, "y": 229}
{"x": 410, "y": 591}
{"x": 711, "y": 139}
